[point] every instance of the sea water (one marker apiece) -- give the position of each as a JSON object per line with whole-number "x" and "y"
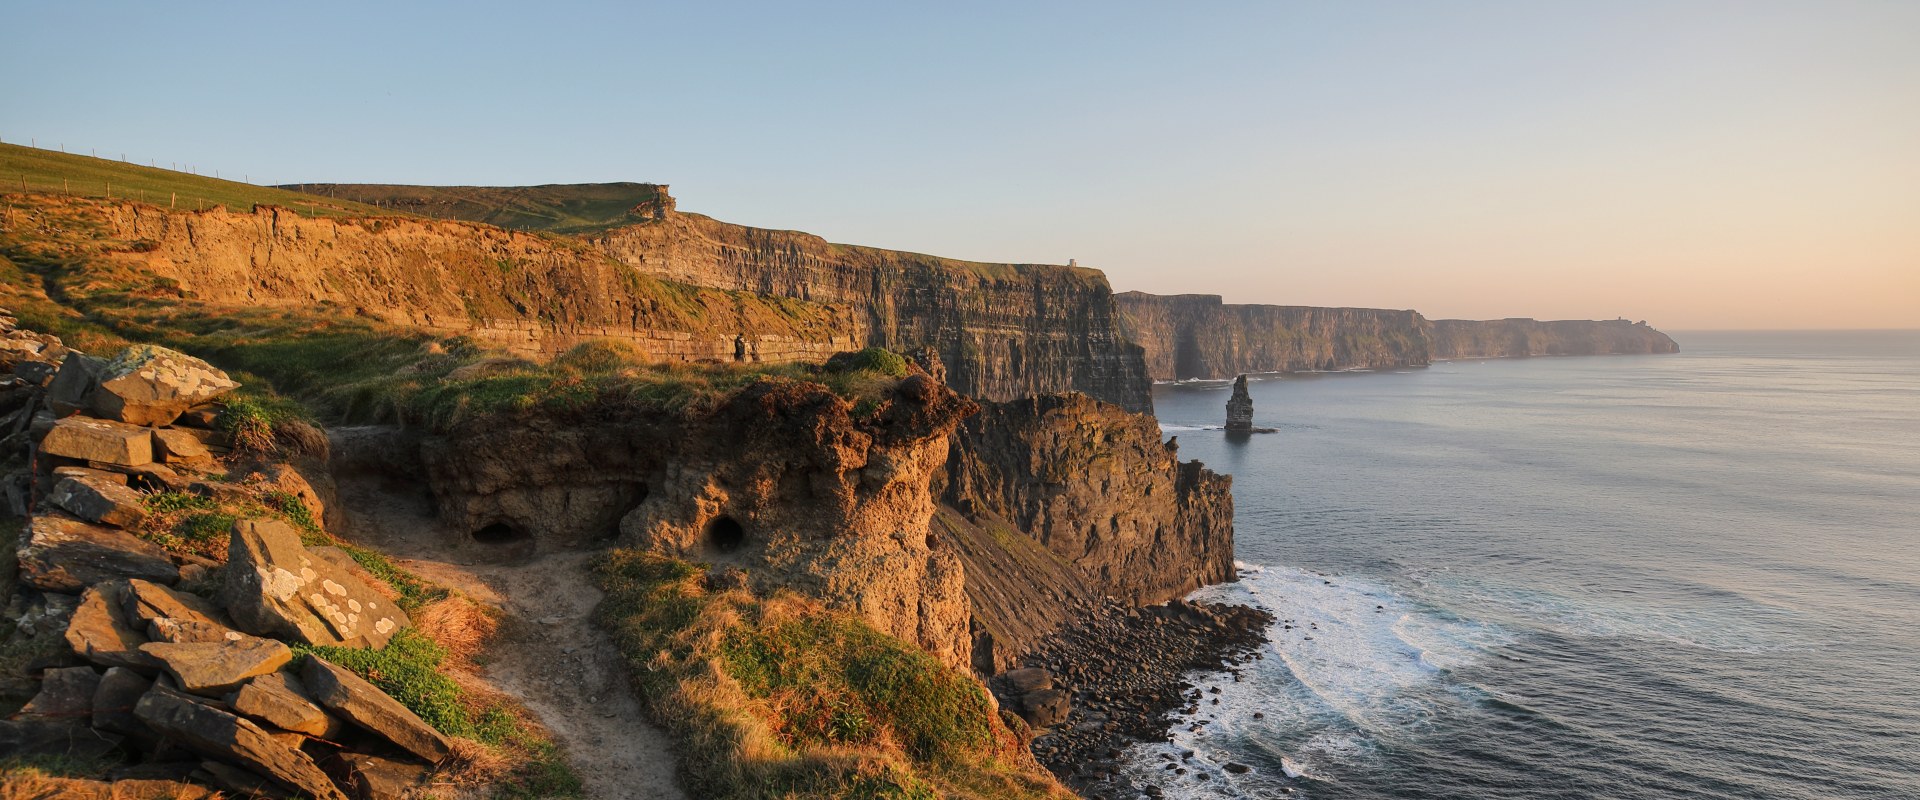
{"x": 1672, "y": 576}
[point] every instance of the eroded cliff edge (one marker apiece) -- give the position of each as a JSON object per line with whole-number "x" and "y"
{"x": 1200, "y": 336}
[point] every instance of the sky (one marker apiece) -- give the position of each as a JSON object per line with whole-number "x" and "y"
{"x": 1694, "y": 163}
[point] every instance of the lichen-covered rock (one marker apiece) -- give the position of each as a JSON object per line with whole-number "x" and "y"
{"x": 276, "y": 587}
{"x": 63, "y": 554}
{"x": 281, "y": 700}
{"x": 100, "y": 631}
{"x": 216, "y": 734}
{"x": 363, "y": 704}
{"x": 99, "y": 500}
{"x": 99, "y": 440}
{"x": 149, "y": 385}
{"x": 217, "y": 667}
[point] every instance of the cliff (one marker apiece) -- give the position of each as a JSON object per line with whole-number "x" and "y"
{"x": 1198, "y": 336}
{"x": 1003, "y": 330}
{"x": 684, "y": 288}
{"x": 1503, "y": 338}
{"x": 1106, "y": 501}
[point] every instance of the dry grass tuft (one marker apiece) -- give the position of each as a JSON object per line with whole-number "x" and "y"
{"x": 460, "y": 625}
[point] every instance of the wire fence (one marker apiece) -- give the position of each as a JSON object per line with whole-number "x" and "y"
{"x": 170, "y": 198}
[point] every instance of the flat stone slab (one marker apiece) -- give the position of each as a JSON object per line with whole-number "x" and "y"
{"x": 218, "y": 667}
{"x": 147, "y": 601}
{"x": 99, "y": 440}
{"x": 100, "y": 631}
{"x": 64, "y": 554}
{"x": 361, "y": 703}
{"x": 113, "y": 702}
{"x": 281, "y": 700}
{"x": 101, "y": 500}
{"x": 276, "y": 587}
{"x": 172, "y": 445}
{"x": 218, "y": 735}
{"x": 376, "y": 778}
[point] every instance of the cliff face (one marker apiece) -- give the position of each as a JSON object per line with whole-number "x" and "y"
{"x": 1003, "y": 330}
{"x": 682, "y": 287}
{"x": 1503, "y": 338}
{"x": 1198, "y": 336}
{"x": 533, "y": 295}
{"x": 1100, "y": 494}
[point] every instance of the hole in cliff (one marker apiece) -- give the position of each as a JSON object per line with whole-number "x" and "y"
{"x": 499, "y": 533}
{"x": 725, "y": 535}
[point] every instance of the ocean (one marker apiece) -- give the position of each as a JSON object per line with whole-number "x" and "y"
{"x": 1672, "y": 576}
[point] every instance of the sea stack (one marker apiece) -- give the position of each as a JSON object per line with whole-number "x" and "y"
{"x": 1240, "y": 408}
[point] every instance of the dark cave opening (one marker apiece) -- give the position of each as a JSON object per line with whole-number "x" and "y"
{"x": 725, "y": 535}
{"x": 499, "y": 533}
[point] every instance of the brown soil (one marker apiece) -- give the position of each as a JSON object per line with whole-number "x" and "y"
{"x": 549, "y": 655}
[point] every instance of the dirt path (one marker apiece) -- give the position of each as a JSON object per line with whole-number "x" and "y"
{"x": 549, "y": 654}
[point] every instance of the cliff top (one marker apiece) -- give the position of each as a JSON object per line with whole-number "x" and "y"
{"x": 555, "y": 207}
{"x": 28, "y": 169}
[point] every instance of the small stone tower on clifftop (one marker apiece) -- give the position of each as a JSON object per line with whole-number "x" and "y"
{"x": 1240, "y": 407}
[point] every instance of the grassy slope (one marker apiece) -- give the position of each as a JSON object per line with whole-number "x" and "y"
{"x": 49, "y": 171}
{"x": 558, "y": 208}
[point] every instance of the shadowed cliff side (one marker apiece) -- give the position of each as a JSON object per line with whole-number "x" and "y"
{"x": 1111, "y": 508}
{"x": 1198, "y": 336}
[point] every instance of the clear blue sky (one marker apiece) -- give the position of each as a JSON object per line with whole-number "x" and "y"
{"x": 1698, "y": 164}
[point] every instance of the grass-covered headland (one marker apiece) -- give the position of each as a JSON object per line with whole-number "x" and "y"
{"x": 780, "y": 697}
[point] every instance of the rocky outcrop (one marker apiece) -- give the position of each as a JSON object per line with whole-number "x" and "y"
{"x": 1198, "y": 336}
{"x": 783, "y": 478}
{"x": 1096, "y": 488}
{"x": 1508, "y": 338}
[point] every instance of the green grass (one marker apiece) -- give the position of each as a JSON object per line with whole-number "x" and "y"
{"x": 411, "y": 670}
{"x": 53, "y": 171}
{"x": 556, "y": 208}
{"x": 782, "y": 698}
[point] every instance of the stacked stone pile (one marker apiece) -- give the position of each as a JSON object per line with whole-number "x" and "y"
{"x": 176, "y": 670}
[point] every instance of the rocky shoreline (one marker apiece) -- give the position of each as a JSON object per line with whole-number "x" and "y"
{"x": 1119, "y": 677}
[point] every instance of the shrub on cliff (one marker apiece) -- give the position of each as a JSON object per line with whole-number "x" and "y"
{"x": 783, "y": 698}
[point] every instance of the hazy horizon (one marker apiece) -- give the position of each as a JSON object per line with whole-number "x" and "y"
{"x": 1701, "y": 166}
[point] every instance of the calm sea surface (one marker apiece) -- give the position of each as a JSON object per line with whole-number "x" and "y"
{"x": 1677, "y": 576}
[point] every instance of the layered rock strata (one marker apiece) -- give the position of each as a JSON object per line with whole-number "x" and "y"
{"x": 681, "y": 288}
{"x": 1003, "y": 330}
{"x": 1104, "y": 499}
